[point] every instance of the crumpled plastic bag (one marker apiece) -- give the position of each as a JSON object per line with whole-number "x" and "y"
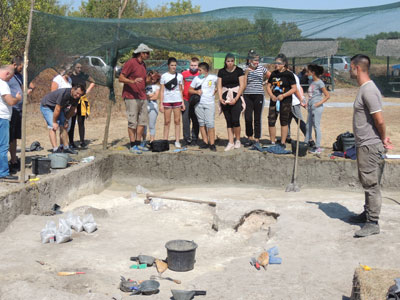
{"x": 142, "y": 190}
{"x": 89, "y": 225}
{"x": 127, "y": 285}
{"x": 48, "y": 233}
{"x": 64, "y": 232}
{"x": 74, "y": 222}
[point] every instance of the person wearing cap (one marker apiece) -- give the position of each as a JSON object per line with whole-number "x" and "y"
{"x": 133, "y": 76}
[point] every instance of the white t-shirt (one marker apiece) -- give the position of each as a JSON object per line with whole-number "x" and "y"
{"x": 208, "y": 86}
{"x": 62, "y": 84}
{"x": 174, "y": 95}
{"x": 151, "y": 89}
{"x": 5, "y": 109}
{"x": 295, "y": 100}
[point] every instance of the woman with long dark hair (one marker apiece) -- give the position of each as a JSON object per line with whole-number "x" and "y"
{"x": 281, "y": 86}
{"x": 231, "y": 83}
{"x": 254, "y": 97}
{"x": 172, "y": 99}
{"x": 317, "y": 96}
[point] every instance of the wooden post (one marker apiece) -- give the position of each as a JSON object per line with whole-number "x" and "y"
{"x": 387, "y": 67}
{"x": 332, "y": 74}
{"x": 24, "y": 112}
{"x": 110, "y": 102}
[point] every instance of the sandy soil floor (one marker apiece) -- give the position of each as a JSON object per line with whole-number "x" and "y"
{"x": 316, "y": 244}
{"x": 334, "y": 121}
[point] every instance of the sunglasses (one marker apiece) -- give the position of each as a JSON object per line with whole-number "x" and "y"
{"x": 278, "y": 63}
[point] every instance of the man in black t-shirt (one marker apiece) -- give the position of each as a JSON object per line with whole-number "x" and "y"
{"x": 52, "y": 107}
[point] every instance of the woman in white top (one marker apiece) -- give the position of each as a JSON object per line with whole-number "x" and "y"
{"x": 172, "y": 99}
{"x": 61, "y": 81}
{"x": 153, "y": 93}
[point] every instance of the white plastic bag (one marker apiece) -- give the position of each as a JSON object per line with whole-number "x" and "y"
{"x": 48, "y": 233}
{"x": 74, "y": 222}
{"x": 89, "y": 225}
{"x": 156, "y": 203}
{"x": 63, "y": 234}
{"x": 142, "y": 190}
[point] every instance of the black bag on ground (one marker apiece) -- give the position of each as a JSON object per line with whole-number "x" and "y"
{"x": 170, "y": 85}
{"x": 159, "y": 146}
{"x": 344, "y": 141}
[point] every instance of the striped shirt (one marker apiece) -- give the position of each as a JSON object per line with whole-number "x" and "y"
{"x": 255, "y": 81}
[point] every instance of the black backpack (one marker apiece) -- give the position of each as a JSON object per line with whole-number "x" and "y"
{"x": 338, "y": 145}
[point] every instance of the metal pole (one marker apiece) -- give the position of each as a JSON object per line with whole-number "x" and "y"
{"x": 24, "y": 112}
{"x": 332, "y": 74}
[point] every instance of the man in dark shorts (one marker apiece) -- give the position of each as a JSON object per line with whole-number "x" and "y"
{"x": 371, "y": 141}
{"x": 16, "y": 86}
{"x": 133, "y": 76}
{"x": 52, "y": 107}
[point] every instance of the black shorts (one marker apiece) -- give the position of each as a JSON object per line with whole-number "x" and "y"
{"x": 284, "y": 113}
{"x": 15, "y": 125}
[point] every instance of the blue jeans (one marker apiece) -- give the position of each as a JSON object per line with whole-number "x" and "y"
{"x": 4, "y": 144}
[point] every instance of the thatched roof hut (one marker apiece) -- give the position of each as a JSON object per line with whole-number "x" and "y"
{"x": 388, "y": 48}
{"x": 310, "y": 48}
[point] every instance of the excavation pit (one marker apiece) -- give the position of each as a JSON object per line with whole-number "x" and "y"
{"x": 316, "y": 244}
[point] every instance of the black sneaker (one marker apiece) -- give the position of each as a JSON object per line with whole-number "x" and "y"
{"x": 193, "y": 143}
{"x": 361, "y": 218}
{"x": 72, "y": 146}
{"x": 83, "y": 145}
{"x": 288, "y": 140}
{"x": 70, "y": 151}
{"x": 311, "y": 144}
{"x": 249, "y": 143}
{"x": 204, "y": 146}
{"x": 9, "y": 177}
{"x": 185, "y": 143}
{"x": 59, "y": 150}
{"x": 368, "y": 229}
{"x": 213, "y": 148}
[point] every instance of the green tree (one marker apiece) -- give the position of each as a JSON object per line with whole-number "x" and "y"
{"x": 14, "y": 16}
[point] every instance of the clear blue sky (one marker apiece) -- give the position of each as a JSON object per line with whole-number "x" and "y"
{"x": 295, "y": 4}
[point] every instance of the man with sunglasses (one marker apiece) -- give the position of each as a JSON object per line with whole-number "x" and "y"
{"x": 133, "y": 76}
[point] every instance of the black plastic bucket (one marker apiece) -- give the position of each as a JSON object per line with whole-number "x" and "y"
{"x": 181, "y": 255}
{"x": 303, "y": 147}
{"x": 41, "y": 165}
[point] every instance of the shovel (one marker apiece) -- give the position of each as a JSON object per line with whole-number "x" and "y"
{"x": 293, "y": 187}
{"x": 144, "y": 259}
{"x": 186, "y": 295}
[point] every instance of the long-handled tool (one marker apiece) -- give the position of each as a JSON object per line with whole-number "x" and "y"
{"x": 154, "y": 277}
{"x": 293, "y": 187}
{"x": 186, "y": 295}
{"x": 150, "y": 196}
{"x": 69, "y": 273}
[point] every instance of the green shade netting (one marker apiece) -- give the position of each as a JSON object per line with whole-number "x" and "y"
{"x": 57, "y": 40}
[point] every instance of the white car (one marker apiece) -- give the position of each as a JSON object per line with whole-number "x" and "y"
{"x": 340, "y": 62}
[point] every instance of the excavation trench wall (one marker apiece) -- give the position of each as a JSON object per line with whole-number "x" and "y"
{"x": 176, "y": 168}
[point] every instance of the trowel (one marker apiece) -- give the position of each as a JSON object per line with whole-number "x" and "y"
{"x": 186, "y": 295}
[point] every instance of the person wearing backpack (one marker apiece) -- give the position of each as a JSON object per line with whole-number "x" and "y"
{"x": 205, "y": 109}
{"x": 172, "y": 99}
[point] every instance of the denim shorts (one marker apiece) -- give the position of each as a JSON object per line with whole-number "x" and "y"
{"x": 47, "y": 113}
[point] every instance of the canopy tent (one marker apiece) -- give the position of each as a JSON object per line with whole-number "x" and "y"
{"x": 57, "y": 40}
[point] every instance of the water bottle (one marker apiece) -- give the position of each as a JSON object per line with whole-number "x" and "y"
{"x": 278, "y": 105}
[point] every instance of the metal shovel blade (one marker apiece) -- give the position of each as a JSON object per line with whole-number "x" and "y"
{"x": 186, "y": 295}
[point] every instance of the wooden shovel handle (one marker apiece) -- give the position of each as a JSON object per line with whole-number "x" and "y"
{"x": 210, "y": 203}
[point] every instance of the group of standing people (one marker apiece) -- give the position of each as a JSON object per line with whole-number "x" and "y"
{"x": 190, "y": 96}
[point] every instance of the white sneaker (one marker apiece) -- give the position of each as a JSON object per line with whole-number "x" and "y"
{"x": 178, "y": 145}
{"x": 229, "y": 147}
{"x": 237, "y": 144}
